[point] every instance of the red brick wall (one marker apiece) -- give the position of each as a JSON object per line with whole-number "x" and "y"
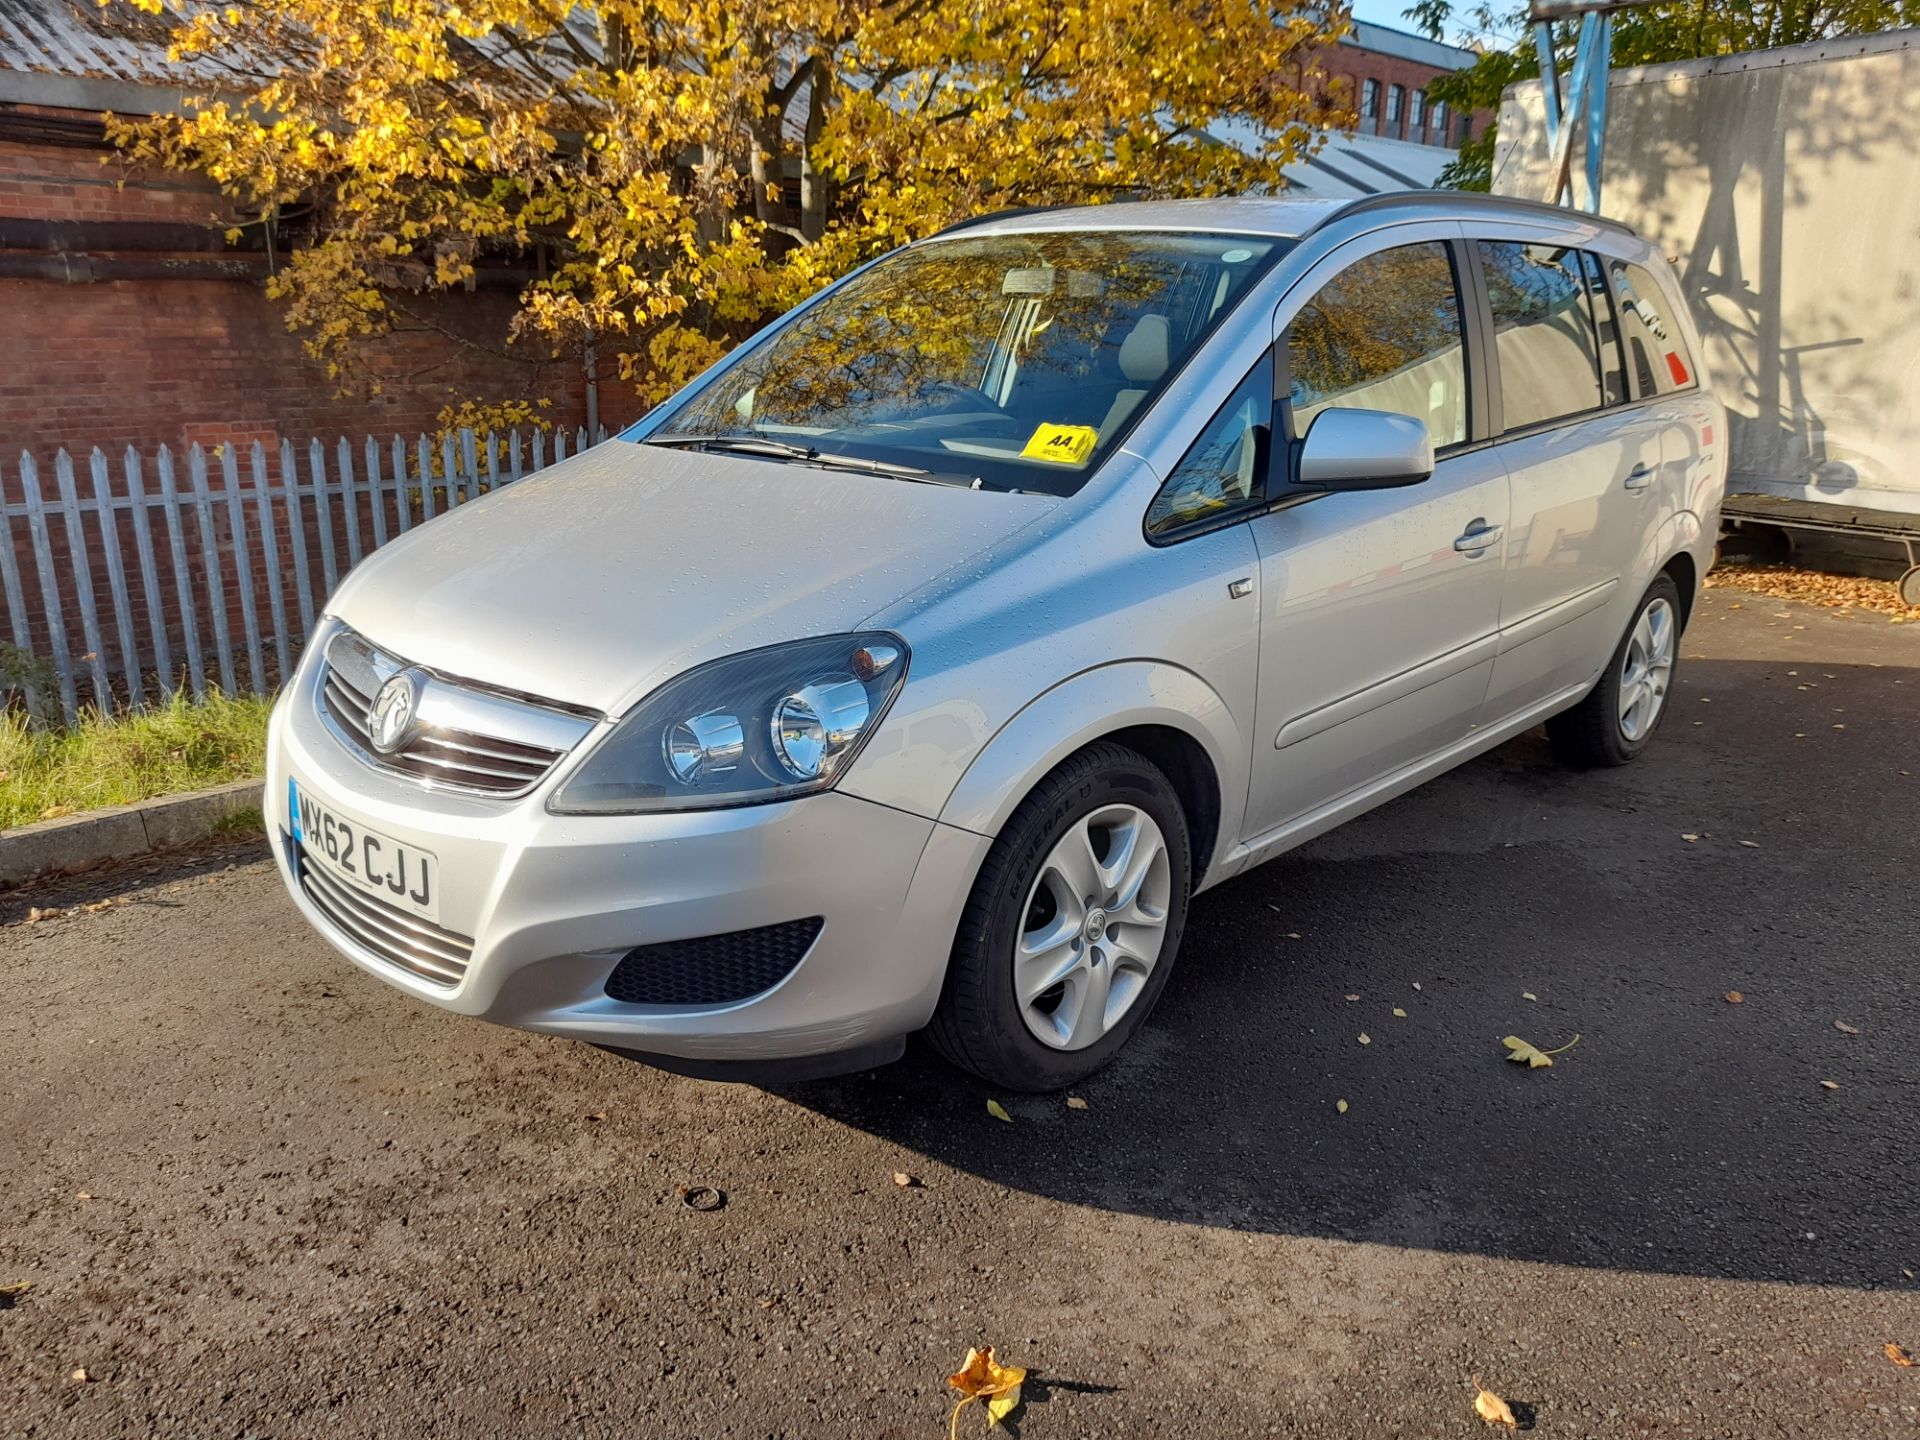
{"x": 1353, "y": 66}
{"x": 149, "y": 362}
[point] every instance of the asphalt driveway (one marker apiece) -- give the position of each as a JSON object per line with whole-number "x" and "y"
{"x": 258, "y": 1194}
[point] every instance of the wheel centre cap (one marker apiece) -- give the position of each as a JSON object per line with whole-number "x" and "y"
{"x": 1096, "y": 923}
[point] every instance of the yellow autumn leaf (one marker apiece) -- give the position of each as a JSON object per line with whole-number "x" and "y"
{"x": 1341, "y": 1106}
{"x": 1492, "y": 1409}
{"x": 1532, "y": 1056}
{"x": 983, "y": 1377}
{"x": 998, "y": 1111}
{"x": 1900, "y": 1356}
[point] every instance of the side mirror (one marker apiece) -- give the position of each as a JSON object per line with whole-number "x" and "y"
{"x": 1363, "y": 450}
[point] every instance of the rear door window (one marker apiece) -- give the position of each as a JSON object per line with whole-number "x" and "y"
{"x": 1544, "y": 332}
{"x": 1656, "y": 355}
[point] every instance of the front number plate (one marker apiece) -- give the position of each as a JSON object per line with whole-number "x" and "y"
{"x": 356, "y": 855}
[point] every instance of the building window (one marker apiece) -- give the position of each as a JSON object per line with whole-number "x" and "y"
{"x": 1396, "y": 106}
{"x": 1417, "y": 115}
{"x": 1439, "y": 121}
{"x": 1370, "y": 103}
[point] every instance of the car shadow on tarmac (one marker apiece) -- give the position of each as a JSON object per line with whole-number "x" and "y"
{"x": 1749, "y": 851}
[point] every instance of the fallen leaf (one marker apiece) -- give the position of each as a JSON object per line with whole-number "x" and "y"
{"x": 1074, "y": 1102}
{"x": 1399, "y": 1014}
{"x": 1341, "y": 1106}
{"x": 1734, "y": 997}
{"x": 81, "y": 1375}
{"x": 1844, "y": 1028}
{"x": 1751, "y": 844}
{"x": 83, "y": 1195}
{"x": 1293, "y": 934}
{"x": 998, "y": 1111}
{"x": 1365, "y": 1039}
{"x": 1492, "y": 1409}
{"x": 56, "y": 812}
{"x": 597, "y": 1115}
{"x": 984, "y": 1378}
{"x": 1416, "y": 984}
{"x": 1829, "y": 1084}
{"x": 1690, "y": 839}
{"x": 1528, "y": 995}
{"x": 1900, "y": 1357}
{"x": 1786, "y": 582}
{"x": 904, "y": 1180}
{"x": 11, "y": 1293}
{"x": 1532, "y": 1056}
{"x": 1352, "y": 998}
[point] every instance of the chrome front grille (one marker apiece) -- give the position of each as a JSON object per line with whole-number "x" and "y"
{"x": 417, "y": 946}
{"x": 462, "y": 737}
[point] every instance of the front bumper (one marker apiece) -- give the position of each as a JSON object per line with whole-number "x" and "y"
{"x": 552, "y": 902}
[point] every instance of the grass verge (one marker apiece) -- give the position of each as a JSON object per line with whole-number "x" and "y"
{"x": 113, "y": 761}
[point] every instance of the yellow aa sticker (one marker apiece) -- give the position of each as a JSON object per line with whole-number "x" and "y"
{"x": 1062, "y": 444}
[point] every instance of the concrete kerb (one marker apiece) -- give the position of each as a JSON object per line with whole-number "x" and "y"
{"x": 78, "y": 842}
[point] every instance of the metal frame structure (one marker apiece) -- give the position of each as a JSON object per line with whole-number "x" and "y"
{"x": 1584, "y": 108}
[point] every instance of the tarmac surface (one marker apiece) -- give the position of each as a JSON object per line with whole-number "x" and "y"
{"x": 259, "y": 1194}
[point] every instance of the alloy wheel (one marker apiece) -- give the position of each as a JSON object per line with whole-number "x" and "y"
{"x": 1093, "y": 927}
{"x": 1646, "y": 669}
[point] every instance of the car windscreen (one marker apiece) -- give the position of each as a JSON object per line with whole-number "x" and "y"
{"x": 1017, "y": 360}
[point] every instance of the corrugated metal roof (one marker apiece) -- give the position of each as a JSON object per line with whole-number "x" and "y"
{"x": 81, "y": 38}
{"x": 110, "y": 49}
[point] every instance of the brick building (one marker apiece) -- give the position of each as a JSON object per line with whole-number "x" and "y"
{"x": 1387, "y": 71}
{"x": 127, "y": 319}
{"x": 1401, "y": 141}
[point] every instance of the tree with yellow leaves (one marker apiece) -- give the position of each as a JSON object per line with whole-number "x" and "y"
{"x": 675, "y": 171}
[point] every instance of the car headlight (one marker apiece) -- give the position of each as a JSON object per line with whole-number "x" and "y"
{"x": 767, "y": 725}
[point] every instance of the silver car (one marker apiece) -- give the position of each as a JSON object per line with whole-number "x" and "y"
{"x": 914, "y": 667}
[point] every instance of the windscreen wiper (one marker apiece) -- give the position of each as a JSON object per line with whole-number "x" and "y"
{"x": 812, "y": 455}
{"x": 738, "y": 444}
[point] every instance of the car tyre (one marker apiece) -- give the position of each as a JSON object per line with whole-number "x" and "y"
{"x": 1619, "y": 715}
{"x": 1121, "y": 805}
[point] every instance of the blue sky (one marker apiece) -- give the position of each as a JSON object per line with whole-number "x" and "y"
{"x": 1382, "y": 12}
{"x": 1390, "y": 12}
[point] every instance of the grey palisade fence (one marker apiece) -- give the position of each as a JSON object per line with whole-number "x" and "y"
{"x": 205, "y": 570}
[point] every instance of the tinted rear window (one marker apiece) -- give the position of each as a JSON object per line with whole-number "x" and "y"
{"x": 1656, "y": 355}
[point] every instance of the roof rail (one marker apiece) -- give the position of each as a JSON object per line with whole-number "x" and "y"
{"x": 992, "y": 215}
{"x": 1475, "y": 199}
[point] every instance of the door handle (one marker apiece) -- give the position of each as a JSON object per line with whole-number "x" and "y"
{"x": 1474, "y": 541}
{"x": 1640, "y": 477}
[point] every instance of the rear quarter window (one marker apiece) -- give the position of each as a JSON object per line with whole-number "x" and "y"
{"x": 1656, "y": 355}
